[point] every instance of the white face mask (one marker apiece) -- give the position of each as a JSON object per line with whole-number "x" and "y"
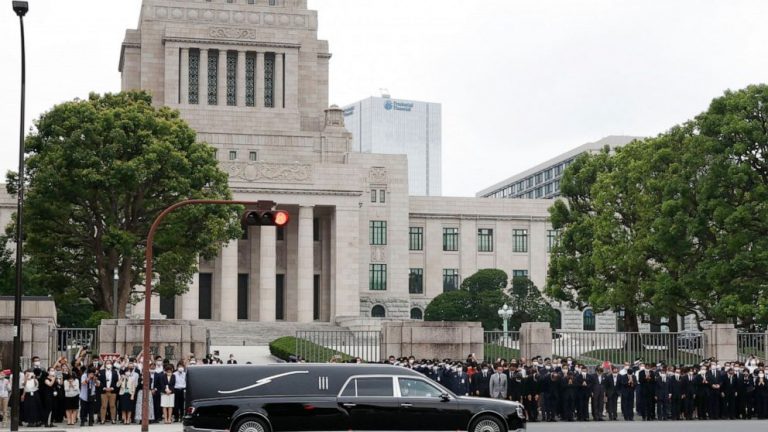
{"x": 36, "y": 364}
{"x": 761, "y": 375}
{"x": 485, "y": 370}
{"x": 181, "y": 369}
{"x": 109, "y": 366}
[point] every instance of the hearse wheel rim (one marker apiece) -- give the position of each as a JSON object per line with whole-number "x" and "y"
{"x": 487, "y": 425}
{"x": 251, "y": 426}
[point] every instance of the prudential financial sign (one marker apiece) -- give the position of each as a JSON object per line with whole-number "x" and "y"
{"x": 390, "y": 105}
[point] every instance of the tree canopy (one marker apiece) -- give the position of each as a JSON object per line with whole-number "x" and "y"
{"x": 672, "y": 225}
{"x": 99, "y": 172}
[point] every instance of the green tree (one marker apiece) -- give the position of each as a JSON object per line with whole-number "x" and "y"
{"x": 528, "y": 303}
{"x": 99, "y": 172}
{"x": 478, "y": 299}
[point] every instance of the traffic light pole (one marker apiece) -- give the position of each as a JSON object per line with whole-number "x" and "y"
{"x": 148, "y": 292}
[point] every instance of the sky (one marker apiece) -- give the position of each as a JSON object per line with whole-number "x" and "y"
{"x": 520, "y": 81}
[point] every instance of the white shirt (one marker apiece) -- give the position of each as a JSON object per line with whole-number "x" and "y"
{"x": 5, "y": 387}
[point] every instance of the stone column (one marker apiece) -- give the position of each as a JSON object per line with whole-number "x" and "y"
{"x": 171, "y": 89}
{"x": 226, "y": 272}
{"x": 190, "y": 301}
{"x": 345, "y": 290}
{"x": 535, "y": 340}
{"x": 291, "y": 83}
{"x": 279, "y": 80}
{"x": 241, "y": 78}
{"x": 222, "y": 98}
{"x": 203, "y": 77}
{"x": 720, "y": 342}
{"x": 253, "y": 273}
{"x": 184, "y": 77}
{"x": 305, "y": 265}
{"x": 259, "y": 77}
{"x": 267, "y": 269}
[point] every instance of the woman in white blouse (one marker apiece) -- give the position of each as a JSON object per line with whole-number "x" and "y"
{"x": 5, "y": 390}
{"x": 71, "y": 398}
{"x": 33, "y": 406}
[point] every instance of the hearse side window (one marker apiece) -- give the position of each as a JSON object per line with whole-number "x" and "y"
{"x": 410, "y": 387}
{"x": 361, "y": 387}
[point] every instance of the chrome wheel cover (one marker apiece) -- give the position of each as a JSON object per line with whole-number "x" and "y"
{"x": 251, "y": 426}
{"x": 487, "y": 426}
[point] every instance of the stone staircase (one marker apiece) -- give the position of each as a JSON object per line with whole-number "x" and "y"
{"x": 249, "y": 333}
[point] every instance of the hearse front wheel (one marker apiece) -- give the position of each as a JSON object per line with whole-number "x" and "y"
{"x": 487, "y": 423}
{"x": 251, "y": 424}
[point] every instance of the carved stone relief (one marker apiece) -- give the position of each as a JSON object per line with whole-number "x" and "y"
{"x": 268, "y": 172}
{"x": 378, "y": 254}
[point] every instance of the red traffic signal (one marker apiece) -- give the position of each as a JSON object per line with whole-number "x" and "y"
{"x": 278, "y": 218}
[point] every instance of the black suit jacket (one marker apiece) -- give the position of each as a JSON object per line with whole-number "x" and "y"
{"x": 611, "y": 388}
{"x": 162, "y": 380}
{"x": 112, "y": 382}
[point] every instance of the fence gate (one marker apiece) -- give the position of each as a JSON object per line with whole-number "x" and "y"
{"x": 501, "y": 345}
{"x": 70, "y": 340}
{"x": 323, "y": 346}
{"x": 593, "y": 348}
{"x": 752, "y": 344}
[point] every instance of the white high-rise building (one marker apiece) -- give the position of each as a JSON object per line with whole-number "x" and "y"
{"x": 383, "y": 125}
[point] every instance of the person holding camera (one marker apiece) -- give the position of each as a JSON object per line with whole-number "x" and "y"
{"x": 89, "y": 384}
{"x": 33, "y": 407}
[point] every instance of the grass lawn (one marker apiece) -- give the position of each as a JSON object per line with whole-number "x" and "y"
{"x": 285, "y": 347}
{"x": 647, "y": 355}
{"x": 494, "y": 351}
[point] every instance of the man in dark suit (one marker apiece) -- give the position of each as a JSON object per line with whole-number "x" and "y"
{"x": 515, "y": 384}
{"x": 663, "y": 394}
{"x": 715, "y": 382}
{"x": 480, "y": 381}
{"x": 688, "y": 392}
{"x": 612, "y": 392}
{"x": 108, "y": 379}
{"x": 550, "y": 392}
{"x": 597, "y": 388}
{"x": 627, "y": 385}
{"x": 582, "y": 393}
{"x": 646, "y": 379}
{"x": 676, "y": 394}
{"x": 729, "y": 391}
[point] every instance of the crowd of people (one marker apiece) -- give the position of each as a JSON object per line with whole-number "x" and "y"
{"x": 98, "y": 390}
{"x": 553, "y": 389}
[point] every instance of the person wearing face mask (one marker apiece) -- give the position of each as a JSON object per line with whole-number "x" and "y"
{"x": 531, "y": 391}
{"x": 675, "y": 394}
{"x": 597, "y": 384}
{"x": 127, "y": 391}
{"x": 108, "y": 392}
{"x": 165, "y": 384}
{"x": 701, "y": 383}
{"x": 5, "y": 392}
{"x": 158, "y": 372}
{"x": 71, "y": 398}
{"x": 33, "y": 407}
{"x": 627, "y": 385}
{"x": 582, "y": 392}
{"x": 612, "y": 393}
{"x": 663, "y": 394}
{"x": 178, "y": 392}
{"x": 761, "y": 395}
{"x": 729, "y": 390}
{"x": 550, "y": 394}
{"x": 481, "y": 381}
{"x": 49, "y": 393}
{"x": 687, "y": 392}
{"x": 498, "y": 383}
{"x": 745, "y": 399}
{"x": 714, "y": 396}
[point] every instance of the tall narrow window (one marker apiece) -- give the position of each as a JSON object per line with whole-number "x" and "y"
{"x": 269, "y": 80}
{"x": 377, "y": 280}
{"x": 213, "y": 77}
{"x": 450, "y": 239}
{"x": 231, "y": 78}
{"x": 250, "y": 79}
{"x": 485, "y": 240}
{"x": 519, "y": 240}
{"x": 194, "y": 76}
{"x": 416, "y": 281}
{"x": 450, "y": 280}
{"x": 553, "y": 237}
{"x": 373, "y": 195}
{"x": 416, "y": 242}
{"x": 378, "y": 232}
{"x": 382, "y": 196}
{"x": 589, "y": 320}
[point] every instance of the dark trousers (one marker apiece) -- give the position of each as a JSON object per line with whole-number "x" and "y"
{"x": 611, "y": 406}
{"x": 649, "y": 405}
{"x": 688, "y": 405}
{"x": 582, "y": 407}
{"x": 730, "y": 406}
{"x": 551, "y": 402}
{"x": 662, "y": 408}
{"x": 87, "y": 409}
{"x": 714, "y": 405}
{"x": 156, "y": 406}
{"x": 178, "y": 404}
{"x": 598, "y": 403}
{"x": 569, "y": 401}
{"x": 532, "y": 408}
{"x": 676, "y": 407}
{"x": 701, "y": 405}
{"x": 628, "y": 405}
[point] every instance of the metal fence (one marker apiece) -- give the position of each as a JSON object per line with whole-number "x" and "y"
{"x": 68, "y": 341}
{"x": 592, "y": 348}
{"x": 752, "y": 344}
{"x": 322, "y": 346}
{"x": 501, "y": 345}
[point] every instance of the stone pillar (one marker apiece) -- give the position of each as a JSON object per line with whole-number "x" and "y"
{"x": 345, "y": 290}
{"x": 241, "y": 78}
{"x": 253, "y": 273}
{"x": 203, "y": 77}
{"x": 226, "y": 272}
{"x": 171, "y": 74}
{"x": 535, "y": 340}
{"x": 267, "y": 269}
{"x": 259, "y": 77}
{"x": 222, "y": 97}
{"x": 291, "y": 83}
{"x": 279, "y": 80}
{"x": 184, "y": 77}
{"x": 306, "y": 265}
{"x": 720, "y": 342}
{"x": 190, "y": 300}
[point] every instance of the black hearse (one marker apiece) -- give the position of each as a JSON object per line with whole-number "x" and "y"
{"x": 334, "y": 397}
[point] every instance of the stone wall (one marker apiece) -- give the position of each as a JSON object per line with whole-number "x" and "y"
{"x": 172, "y": 339}
{"x": 453, "y": 340}
{"x": 38, "y": 329}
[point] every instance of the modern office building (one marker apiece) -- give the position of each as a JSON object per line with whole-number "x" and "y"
{"x": 396, "y": 126}
{"x": 543, "y": 180}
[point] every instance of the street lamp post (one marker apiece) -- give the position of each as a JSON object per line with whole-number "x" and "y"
{"x": 114, "y": 295}
{"x": 20, "y": 8}
{"x": 505, "y": 313}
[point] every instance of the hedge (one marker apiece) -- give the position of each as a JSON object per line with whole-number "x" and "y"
{"x": 285, "y": 347}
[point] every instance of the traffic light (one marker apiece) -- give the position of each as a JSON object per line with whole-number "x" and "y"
{"x": 278, "y": 218}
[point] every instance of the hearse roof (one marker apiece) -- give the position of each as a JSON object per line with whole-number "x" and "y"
{"x": 284, "y": 379}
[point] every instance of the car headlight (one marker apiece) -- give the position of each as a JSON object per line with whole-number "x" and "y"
{"x": 520, "y": 412}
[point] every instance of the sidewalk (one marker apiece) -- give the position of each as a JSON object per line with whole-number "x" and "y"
{"x": 158, "y": 427}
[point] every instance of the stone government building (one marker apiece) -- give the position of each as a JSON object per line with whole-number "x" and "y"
{"x": 251, "y": 77}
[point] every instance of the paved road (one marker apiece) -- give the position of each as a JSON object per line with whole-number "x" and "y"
{"x": 654, "y": 426}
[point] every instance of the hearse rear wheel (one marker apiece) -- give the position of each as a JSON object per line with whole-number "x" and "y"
{"x": 487, "y": 423}
{"x": 251, "y": 424}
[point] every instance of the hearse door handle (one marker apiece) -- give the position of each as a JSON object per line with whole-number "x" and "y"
{"x": 406, "y": 405}
{"x": 349, "y": 404}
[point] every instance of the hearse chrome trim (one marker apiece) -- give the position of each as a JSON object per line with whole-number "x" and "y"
{"x": 262, "y": 382}
{"x": 322, "y": 383}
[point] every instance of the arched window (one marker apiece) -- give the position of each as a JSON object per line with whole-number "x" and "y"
{"x": 378, "y": 311}
{"x": 589, "y": 320}
{"x": 557, "y": 321}
{"x": 416, "y": 314}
